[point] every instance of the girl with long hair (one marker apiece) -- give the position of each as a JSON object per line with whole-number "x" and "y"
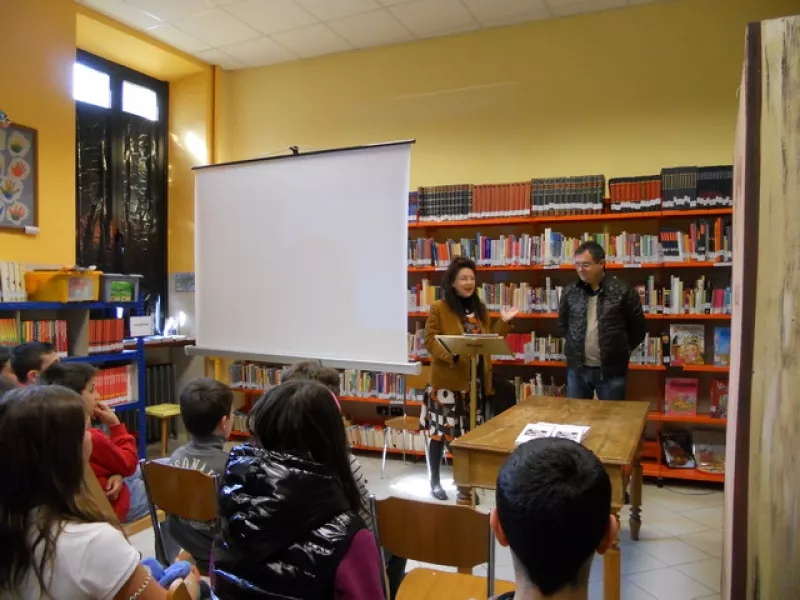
{"x": 289, "y": 506}
{"x": 445, "y": 412}
{"x": 55, "y": 541}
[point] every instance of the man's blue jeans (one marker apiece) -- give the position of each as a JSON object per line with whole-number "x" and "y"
{"x": 582, "y": 384}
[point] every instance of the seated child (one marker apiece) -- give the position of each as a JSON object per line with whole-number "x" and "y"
{"x": 114, "y": 458}
{"x": 30, "y": 359}
{"x": 313, "y": 370}
{"x": 289, "y": 506}
{"x": 554, "y": 511}
{"x": 55, "y": 543}
{"x": 5, "y": 363}
{"x": 206, "y": 407}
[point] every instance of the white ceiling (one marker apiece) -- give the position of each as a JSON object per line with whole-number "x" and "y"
{"x": 237, "y": 34}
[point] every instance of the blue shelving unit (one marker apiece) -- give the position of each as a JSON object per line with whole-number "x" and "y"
{"x": 77, "y": 316}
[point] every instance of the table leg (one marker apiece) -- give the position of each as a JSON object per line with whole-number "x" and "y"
{"x": 464, "y": 495}
{"x": 164, "y": 437}
{"x": 636, "y": 496}
{"x": 612, "y": 575}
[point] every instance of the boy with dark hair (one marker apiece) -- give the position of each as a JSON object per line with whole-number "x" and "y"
{"x": 554, "y": 511}
{"x": 206, "y": 410}
{"x": 30, "y": 359}
{"x": 115, "y": 458}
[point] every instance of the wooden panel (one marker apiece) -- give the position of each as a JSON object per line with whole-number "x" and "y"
{"x": 427, "y": 584}
{"x": 773, "y": 523}
{"x": 745, "y": 264}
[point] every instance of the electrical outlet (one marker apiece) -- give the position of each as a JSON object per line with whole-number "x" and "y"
{"x": 397, "y": 411}
{"x": 383, "y": 411}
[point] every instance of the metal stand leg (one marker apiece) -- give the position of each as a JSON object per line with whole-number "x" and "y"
{"x": 386, "y": 433}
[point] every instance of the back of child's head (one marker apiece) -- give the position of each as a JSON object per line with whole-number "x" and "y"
{"x": 314, "y": 371}
{"x": 302, "y": 418}
{"x": 204, "y": 402}
{"x": 554, "y": 505}
{"x": 74, "y": 375}
{"x": 43, "y": 442}
{"x": 30, "y": 357}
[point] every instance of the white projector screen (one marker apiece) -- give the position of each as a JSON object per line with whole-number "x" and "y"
{"x": 305, "y": 257}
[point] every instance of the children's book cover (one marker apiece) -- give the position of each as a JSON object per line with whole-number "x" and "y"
{"x": 722, "y": 346}
{"x": 680, "y": 396}
{"x": 687, "y": 345}
{"x": 719, "y": 399}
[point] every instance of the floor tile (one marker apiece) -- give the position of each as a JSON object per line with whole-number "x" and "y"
{"x": 675, "y": 524}
{"x": 670, "y": 584}
{"x": 709, "y": 542}
{"x": 633, "y": 560}
{"x": 711, "y": 597}
{"x": 714, "y": 517}
{"x": 707, "y": 572}
{"x": 672, "y": 551}
{"x": 630, "y": 591}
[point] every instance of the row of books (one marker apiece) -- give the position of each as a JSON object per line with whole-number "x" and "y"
{"x": 240, "y": 422}
{"x": 12, "y": 282}
{"x": 684, "y": 345}
{"x": 578, "y": 195}
{"x": 530, "y": 299}
{"x": 372, "y": 436}
{"x": 533, "y": 347}
{"x": 705, "y": 241}
{"x": 253, "y": 376}
{"x": 106, "y": 335}
{"x": 693, "y": 188}
{"x": 676, "y": 299}
{"x": 116, "y": 385}
{"x": 51, "y": 332}
{"x": 680, "y": 188}
{"x": 681, "y": 397}
{"x": 635, "y": 194}
{"x": 650, "y": 352}
{"x": 372, "y": 384}
{"x": 538, "y": 385}
{"x": 700, "y": 449}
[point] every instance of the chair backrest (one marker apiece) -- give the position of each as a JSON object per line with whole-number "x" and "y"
{"x": 181, "y": 492}
{"x": 442, "y": 534}
{"x": 178, "y": 591}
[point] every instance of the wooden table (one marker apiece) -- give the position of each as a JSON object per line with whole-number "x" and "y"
{"x": 427, "y": 584}
{"x": 615, "y": 437}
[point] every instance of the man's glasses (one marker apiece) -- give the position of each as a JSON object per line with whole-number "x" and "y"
{"x": 582, "y": 266}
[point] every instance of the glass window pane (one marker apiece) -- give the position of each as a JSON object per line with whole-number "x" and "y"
{"x": 139, "y": 100}
{"x": 89, "y": 85}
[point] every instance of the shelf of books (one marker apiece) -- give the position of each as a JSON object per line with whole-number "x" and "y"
{"x": 90, "y": 332}
{"x": 668, "y": 234}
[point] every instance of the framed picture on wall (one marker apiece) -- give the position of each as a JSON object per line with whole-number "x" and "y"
{"x": 19, "y": 206}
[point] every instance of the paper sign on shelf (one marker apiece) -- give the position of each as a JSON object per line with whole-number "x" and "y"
{"x": 141, "y": 326}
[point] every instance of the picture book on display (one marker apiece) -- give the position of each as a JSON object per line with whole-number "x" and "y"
{"x": 677, "y": 447}
{"x": 719, "y": 399}
{"x": 709, "y": 451}
{"x": 533, "y": 431}
{"x": 680, "y": 396}
{"x": 687, "y": 344}
{"x": 722, "y": 346}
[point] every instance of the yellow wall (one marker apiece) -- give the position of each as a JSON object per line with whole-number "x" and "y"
{"x": 37, "y": 92}
{"x": 621, "y": 93}
{"x": 190, "y": 144}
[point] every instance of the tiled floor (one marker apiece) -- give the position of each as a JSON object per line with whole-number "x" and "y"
{"x": 676, "y": 558}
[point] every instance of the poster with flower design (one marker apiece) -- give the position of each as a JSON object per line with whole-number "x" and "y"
{"x": 18, "y": 177}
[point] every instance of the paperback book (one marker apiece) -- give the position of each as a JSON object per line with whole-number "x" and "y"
{"x": 532, "y": 431}
{"x": 687, "y": 344}
{"x": 680, "y": 396}
{"x": 722, "y": 346}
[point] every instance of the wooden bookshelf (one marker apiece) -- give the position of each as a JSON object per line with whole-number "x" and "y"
{"x": 609, "y": 266}
{"x": 374, "y": 400}
{"x": 696, "y": 419}
{"x": 705, "y": 369}
{"x": 649, "y": 317}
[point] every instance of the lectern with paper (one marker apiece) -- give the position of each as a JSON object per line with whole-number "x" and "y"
{"x": 474, "y": 346}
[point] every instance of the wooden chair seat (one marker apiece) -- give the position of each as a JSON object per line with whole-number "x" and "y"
{"x": 403, "y": 423}
{"x": 178, "y": 591}
{"x": 430, "y": 584}
{"x": 142, "y": 524}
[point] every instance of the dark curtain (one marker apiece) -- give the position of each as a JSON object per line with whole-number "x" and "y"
{"x": 121, "y": 197}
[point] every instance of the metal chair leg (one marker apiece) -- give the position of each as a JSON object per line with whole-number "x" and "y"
{"x": 404, "y": 446}
{"x": 490, "y": 566}
{"x": 427, "y": 443}
{"x": 386, "y": 433}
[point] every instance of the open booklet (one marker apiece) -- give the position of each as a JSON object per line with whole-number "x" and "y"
{"x": 532, "y": 431}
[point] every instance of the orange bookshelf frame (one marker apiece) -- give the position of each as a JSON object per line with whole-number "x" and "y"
{"x": 374, "y": 400}
{"x": 705, "y": 369}
{"x": 697, "y": 419}
{"x": 654, "y": 216}
{"x": 649, "y": 317}
{"x": 611, "y": 266}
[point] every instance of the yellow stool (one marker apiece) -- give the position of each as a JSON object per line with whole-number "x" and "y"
{"x": 164, "y": 412}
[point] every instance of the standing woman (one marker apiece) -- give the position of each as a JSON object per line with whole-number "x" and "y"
{"x": 445, "y": 413}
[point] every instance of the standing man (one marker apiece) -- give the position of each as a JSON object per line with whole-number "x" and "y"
{"x": 603, "y": 321}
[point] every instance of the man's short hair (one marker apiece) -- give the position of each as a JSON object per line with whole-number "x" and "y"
{"x": 593, "y": 248}
{"x": 74, "y": 376}
{"x": 204, "y": 402}
{"x": 314, "y": 371}
{"x": 29, "y": 357}
{"x": 553, "y": 503}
